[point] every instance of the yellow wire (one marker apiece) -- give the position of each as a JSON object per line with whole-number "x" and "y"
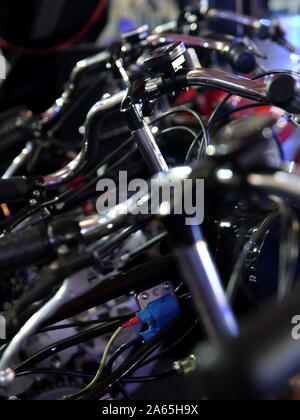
{"x": 103, "y": 360}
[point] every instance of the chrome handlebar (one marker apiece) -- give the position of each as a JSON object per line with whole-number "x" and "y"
{"x": 49, "y": 117}
{"x": 98, "y": 112}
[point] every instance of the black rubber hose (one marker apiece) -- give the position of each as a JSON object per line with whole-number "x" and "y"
{"x": 23, "y": 248}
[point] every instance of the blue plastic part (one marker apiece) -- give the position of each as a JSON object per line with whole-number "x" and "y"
{"x": 157, "y": 315}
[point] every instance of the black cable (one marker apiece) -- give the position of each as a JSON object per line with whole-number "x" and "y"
{"x": 58, "y": 372}
{"x": 166, "y": 131}
{"x": 75, "y": 374}
{"x": 59, "y": 199}
{"x": 67, "y": 343}
{"x": 191, "y": 149}
{"x": 85, "y": 324}
{"x": 272, "y": 72}
{"x": 65, "y": 195}
{"x": 119, "y": 352}
{"x": 70, "y": 195}
{"x": 179, "y": 128}
{"x": 138, "y": 251}
{"x": 259, "y": 76}
{"x": 144, "y": 379}
{"x": 217, "y": 110}
{"x": 168, "y": 349}
{"x": 104, "y": 387}
{"x": 239, "y": 109}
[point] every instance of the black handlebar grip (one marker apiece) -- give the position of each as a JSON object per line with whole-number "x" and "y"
{"x": 13, "y": 190}
{"x": 241, "y": 59}
{"x": 24, "y": 248}
{"x": 284, "y": 92}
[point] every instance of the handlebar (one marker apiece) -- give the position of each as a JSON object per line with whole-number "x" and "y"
{"x": 49, "y": 117}
{"x": 261, "y": 28}
{"x": 280, "y": 90}
{"x": 86, "y": 157}
{"x": 237, "y": 53}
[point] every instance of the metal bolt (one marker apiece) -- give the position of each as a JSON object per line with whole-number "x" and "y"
{"x": 33, "y": 203}
{"x": 63, "y": 250}
{"x": 145, "y": 296}
{"x": 36, "y": 194}
{"x": 69, "y": 237}
{"x": 186, "y": 366}
{"x": 56, "y": 362}
{"x": 54, "y": 266}
{"x": 6, "y": 377}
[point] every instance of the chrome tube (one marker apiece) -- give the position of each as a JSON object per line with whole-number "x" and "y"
{"x": 72, "y": 288}
{"x": 19, "y": 161}
{"x": 227, "y": 82}
{"x": 150, "y": 150}
{"x": 202, "y": 278}
{"x": 133, "y": 210}
{"x": 281, "y": 183}
{"x": 49, "y": 117}
{"x": 238, "y": 18}
{"x": 189, "y": 41}
{"x": 98, "y": 113}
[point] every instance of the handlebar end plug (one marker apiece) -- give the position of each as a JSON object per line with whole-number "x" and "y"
{"x": 242, "y": 59}
{"x": 282, "y": 90}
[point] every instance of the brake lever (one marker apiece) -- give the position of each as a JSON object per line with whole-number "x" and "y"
{"x": 254, "y": 48}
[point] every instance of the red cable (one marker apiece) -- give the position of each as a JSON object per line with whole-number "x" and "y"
{"x": 134, "y": 321}
{"x": 76, "y": 38}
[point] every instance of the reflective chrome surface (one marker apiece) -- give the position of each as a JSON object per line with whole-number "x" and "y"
{"x": 98, "y": 112}
{"x": 50, "y": 116}
{"x": 202, "y": 278}
{"x": 123, "y": 215}
{"x": 189, "y": 41}
{"x": 19, "y": 161}
{"x": 238, "y": 18}
{"x": 281, "y": 183}
{"x": 150, "y": 150}
{"x": 72, "y": 288}
{"x": 225, "y": 81}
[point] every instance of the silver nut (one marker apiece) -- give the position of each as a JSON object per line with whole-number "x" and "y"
{"x": 186, "y": 366}
{"x": 63, "y": 250}
{"x": 36, "y": 194}
{"x": 6, "y": 377}
{"x": 54, "y": 266}
{"x": 33, "y": 203}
